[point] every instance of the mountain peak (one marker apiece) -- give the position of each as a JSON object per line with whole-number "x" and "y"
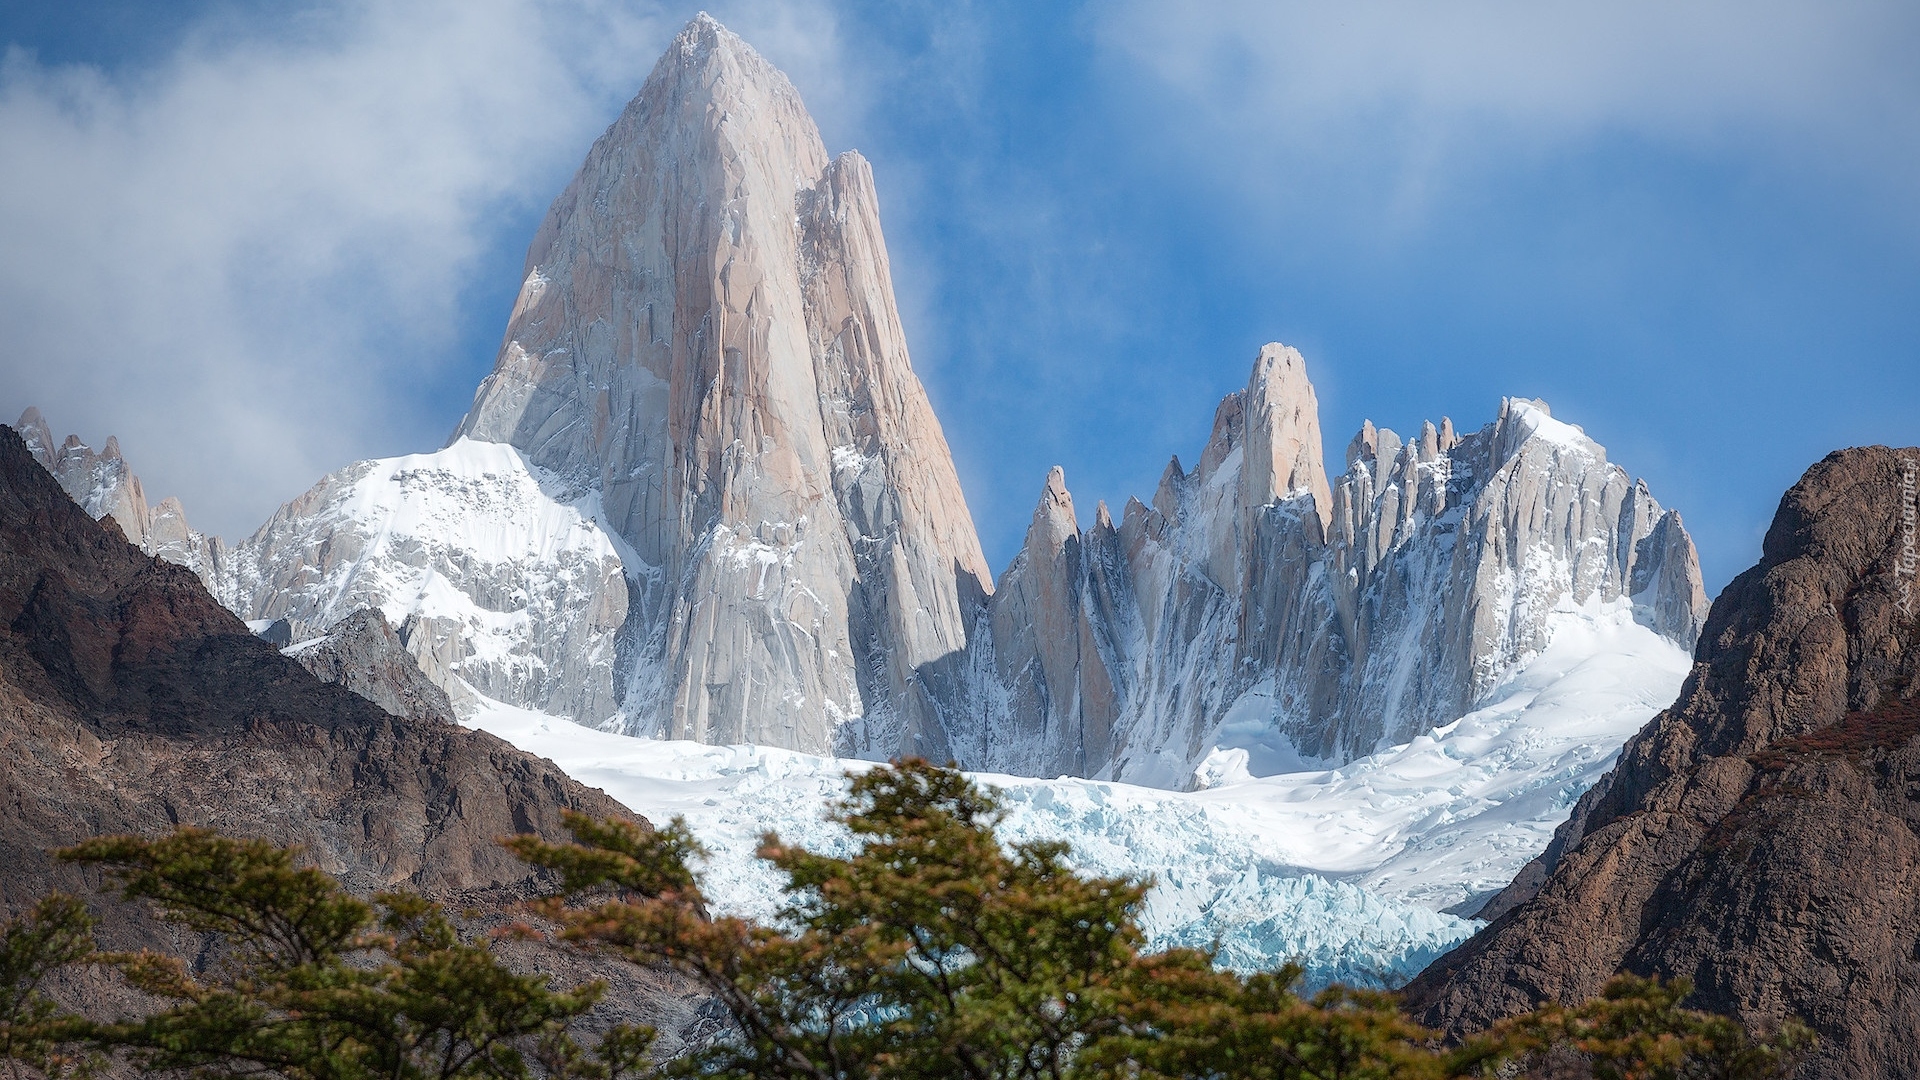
{"x": 708, "y": 340}
{"x": 704, "y": 35}
{"x": 1283, "y": 441}
{"x": 709, "y": 64}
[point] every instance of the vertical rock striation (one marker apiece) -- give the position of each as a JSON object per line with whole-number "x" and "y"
{"x": 1255, "y": 603}
{"x": 707, "y": 342}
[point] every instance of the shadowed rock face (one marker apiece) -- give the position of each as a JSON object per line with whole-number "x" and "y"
{"x": 1762, "y": 836}
{"x": 362, "y": 653}
{"x": 131, "y": 701}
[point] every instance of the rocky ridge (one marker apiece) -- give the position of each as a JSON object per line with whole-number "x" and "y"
{"x": 1253, "y": 603}
{"x": 1761, "y": 837}
{"x": 106, "y": 487}
{"x": 132, "y": 702}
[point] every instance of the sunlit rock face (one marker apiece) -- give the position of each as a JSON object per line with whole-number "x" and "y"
{"x": 707, "y": 343}
{"x": 106, "y": 487}
{"x": 1256, "y": 605}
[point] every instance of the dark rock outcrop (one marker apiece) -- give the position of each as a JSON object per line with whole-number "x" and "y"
{"x": 362, "y": 653}
{"x": 132, "y": 702}
{"x": 1762, "y": 836}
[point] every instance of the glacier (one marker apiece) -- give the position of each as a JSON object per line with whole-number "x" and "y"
{"x": 1346, "y": 870}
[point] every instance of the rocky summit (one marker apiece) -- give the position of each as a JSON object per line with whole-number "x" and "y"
{"x": 1762, "y": 836}
{"x": 703, "y": 495}
{"x": 1255, "y": 605}
{"x": 707, "y": 340}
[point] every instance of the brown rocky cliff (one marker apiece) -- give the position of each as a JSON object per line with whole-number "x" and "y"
{"x": 130, "y": 701}
{"x": 1762, "y": 836}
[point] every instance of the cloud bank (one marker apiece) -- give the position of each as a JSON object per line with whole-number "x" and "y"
{"x": 1437, "y": 90}
{"x": 248, "y": 260}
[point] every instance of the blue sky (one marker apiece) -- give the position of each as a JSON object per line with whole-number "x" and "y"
{"x": 258, "y": 242}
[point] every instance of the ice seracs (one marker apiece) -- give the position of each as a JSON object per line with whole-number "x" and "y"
{"x": 1220, "y": 877}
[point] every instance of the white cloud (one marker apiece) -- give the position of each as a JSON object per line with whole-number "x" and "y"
{"x": 1428, "y": 87}
{"x": 246, "y": 260}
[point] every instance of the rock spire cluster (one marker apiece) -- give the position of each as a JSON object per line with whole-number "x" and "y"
{"x": 703, "y": 495}
{"x": 105, "y": 486}
{"x": 1253, "y": 600}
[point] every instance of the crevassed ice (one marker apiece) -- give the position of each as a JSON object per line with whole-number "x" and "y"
{"x": 1344, "y": 870}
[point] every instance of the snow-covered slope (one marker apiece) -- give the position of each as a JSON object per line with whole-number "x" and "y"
{"x": 497, "y": 581}
{"x": 1344, "y": 869}
{"x": 1453, "y": 814}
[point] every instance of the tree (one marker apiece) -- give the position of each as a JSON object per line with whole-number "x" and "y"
{"x": 310, "y": 983}
{"x": 932, "y": 951}
{"x": 1636, "y": 1030}
{"x": 35, "y": 1034}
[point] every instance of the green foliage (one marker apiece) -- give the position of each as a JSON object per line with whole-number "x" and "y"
{"x": 1636, "y": 1030}
{"x": 934, "y": 951}
{"x": 1188, "y": 1019}
{"x": 310, "y": 983}
{"x": 34, "y": 1034}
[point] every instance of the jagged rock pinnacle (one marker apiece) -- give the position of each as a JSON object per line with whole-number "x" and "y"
{"x": 707, "y": 338}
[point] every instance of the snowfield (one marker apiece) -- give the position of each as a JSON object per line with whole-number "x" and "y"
{"x": 511, "y": 591}
{"x": 1345, "y": 870}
